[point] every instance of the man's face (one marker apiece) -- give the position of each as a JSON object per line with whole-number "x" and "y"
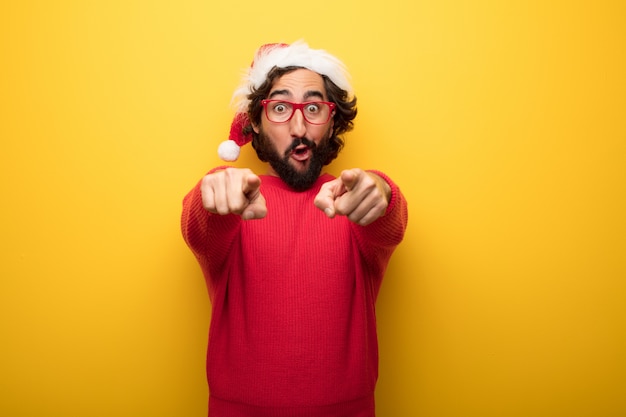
{"x": 296, "y": 150}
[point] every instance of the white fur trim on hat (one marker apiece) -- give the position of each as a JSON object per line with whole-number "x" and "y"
{"x": 298, "y": 54}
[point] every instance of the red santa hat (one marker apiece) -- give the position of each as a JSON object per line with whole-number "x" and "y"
{"x": 280, "y": 55}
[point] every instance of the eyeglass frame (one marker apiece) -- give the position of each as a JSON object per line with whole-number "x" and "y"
{"x": 299, "y": 106}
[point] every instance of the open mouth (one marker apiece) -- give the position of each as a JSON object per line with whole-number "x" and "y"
{"x": 301, "y": 153}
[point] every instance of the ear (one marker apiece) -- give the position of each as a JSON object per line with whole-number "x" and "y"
{"x": 255, "y": 127}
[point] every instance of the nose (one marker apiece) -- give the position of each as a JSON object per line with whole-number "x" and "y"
{"x": 297, "y": 124}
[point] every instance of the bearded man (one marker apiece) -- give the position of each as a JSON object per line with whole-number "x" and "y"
{"x": 294, "y": 258}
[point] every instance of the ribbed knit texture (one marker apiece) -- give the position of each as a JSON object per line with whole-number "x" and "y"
{"x": 293, "y": 304}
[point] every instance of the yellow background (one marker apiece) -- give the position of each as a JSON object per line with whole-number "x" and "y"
{"x": 503, "y": 122}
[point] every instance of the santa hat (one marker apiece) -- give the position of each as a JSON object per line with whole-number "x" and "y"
{"x": 280, "y": 55}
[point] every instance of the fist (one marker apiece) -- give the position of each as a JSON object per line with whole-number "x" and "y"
{"x": 361, "y": 196}
{"x": 233, "y": 190}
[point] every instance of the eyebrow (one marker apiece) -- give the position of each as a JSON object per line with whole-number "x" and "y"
{"x": 307, "y": 95}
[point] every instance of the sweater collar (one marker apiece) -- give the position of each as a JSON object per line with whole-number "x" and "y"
{"x": 274, "y": 181}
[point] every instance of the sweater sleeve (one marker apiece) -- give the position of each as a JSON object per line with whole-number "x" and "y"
{"x": 378, "y": 240}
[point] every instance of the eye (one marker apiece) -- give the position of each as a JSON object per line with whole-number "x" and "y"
{"x": 312, "y": 108}
{"x": 279, "y": 108}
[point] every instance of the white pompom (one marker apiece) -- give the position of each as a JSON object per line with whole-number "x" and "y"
{"x": 228, "y": 150}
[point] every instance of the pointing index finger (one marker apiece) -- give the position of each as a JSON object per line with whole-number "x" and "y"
{"x": 349, "y": 179}
{"x": 251, "y": 184}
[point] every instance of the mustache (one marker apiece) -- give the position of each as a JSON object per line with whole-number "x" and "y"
{"x": 297, "y": 142}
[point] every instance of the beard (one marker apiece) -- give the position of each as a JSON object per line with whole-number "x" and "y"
{"x": 321, "y": 154}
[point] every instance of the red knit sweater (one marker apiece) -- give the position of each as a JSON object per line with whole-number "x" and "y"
{"x": 293, "y": 327}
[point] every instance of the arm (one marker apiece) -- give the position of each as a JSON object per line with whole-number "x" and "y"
{"x": 207, "y": 222}
{"x": 376, "y": 207}
{"x": 390, "y": 227}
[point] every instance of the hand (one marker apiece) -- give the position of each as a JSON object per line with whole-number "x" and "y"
{"x": 361, "y": 196}
{"x": 233, "y": 190}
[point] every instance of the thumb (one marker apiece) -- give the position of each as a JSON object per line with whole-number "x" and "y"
{"x": 325, "y": 198}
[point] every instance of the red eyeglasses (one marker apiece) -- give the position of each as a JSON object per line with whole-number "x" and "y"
{"x": 314, "y": 112}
